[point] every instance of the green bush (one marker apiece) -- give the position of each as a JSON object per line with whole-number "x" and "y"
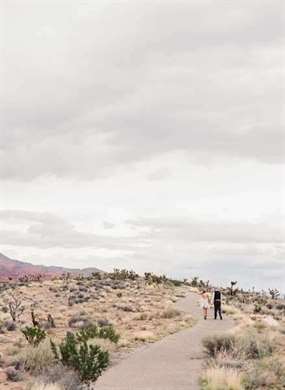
{"x": 34, "y": 335}
{"x": 108, "y": 332}
{"x": 93, "y": 331}
{"x": 257, "y": 308}
{"x": 88, "y": 360}
{"x": 123, "y": 274}
{"x": 151, "y": 278}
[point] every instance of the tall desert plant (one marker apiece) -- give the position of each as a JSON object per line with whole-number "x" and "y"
{"x": 88, "y": 360}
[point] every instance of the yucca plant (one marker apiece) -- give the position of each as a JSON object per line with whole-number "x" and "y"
{"x": 88, "y": 360}
{"x": 34, "y": 335}
{"x": 93, "y": 331}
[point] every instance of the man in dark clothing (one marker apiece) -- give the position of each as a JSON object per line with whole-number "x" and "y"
{"x": 217, "y": 299}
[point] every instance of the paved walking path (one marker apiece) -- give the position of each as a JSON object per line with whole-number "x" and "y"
{"x": 173, "y": 363}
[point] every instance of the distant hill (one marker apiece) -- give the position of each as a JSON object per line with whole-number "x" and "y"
{"x": 10, "y": 268}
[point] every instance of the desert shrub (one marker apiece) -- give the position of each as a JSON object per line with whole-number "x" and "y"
{"x": 93, "y": 331}
{"x": 151, "y": 278}
{"x": 2, "y": 327}
{"x": 142, "y": 317}
{"x": 176, "y": 283}
{"x": 13, "y": 375}
{"x": 42, "y": 386}
{"x": 10, "y": 325}
{"x": 170, "y": 313}
{"x": 37, "y": 359}
{"x": 251, "y": 345}
{"x": 231, "y": 310}
{"x": 257, "y": 308}
{"x": 97, "y": 275}
{"x": 2, "y": 361}
{"x": 15, "y": 305}
{"x": 215, "y": 344}
{"x": 88, "y": 360}
{"x": 221, "y": 378}
{"x": 265, "y": 374}
{"x": 280, "y": 306}
{"x": 108, "y": 332}
{"x": 79, "y": 321}
{"x": 60, "y": 375}
{"x": 34, "y": 334}
{"x": 123, "y": 274}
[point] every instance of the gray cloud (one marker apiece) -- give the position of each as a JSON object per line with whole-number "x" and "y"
{"x": 191, "y": 230}
{"x": 46, "y": 230}
{"x": 96, "y": 88}
{"x": 116, "y": 111}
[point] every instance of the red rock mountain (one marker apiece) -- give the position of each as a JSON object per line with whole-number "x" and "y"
{"x": 10, "y": 268}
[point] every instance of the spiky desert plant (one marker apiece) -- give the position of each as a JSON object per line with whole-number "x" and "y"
{"x": 93, "y": 331}
{"x": 274, "y": 293}
{"x": 88, "y": 360}
{"x": 233, "y": 283}
{"x": 34, "y": 335}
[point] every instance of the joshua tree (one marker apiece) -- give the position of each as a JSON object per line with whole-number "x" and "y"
{"x": 274, "y": 293}
{"x": 195, "y": 281}
{"x": 233, "y": 283}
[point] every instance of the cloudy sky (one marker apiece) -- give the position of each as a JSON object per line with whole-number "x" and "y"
{"x": 144, "y": 134}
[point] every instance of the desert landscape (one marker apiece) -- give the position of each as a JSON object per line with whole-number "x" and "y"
{"x": 63, "y": 332}
{"x": 133, "y": 309}
{"x": 142, "y": 187}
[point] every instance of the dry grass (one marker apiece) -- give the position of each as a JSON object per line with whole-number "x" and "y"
{"x": 37, "y": 359}
{"x": 234, "y": 312}
{"x": 221, "y": 378}
{"x": 42, "y": 386}
{"x": 170, "y": 313}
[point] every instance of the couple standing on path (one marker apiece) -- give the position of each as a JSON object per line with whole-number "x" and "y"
{"x": 206, "y": 302}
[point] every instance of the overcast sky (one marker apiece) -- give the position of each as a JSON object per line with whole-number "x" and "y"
{"x": 146, "y": 135}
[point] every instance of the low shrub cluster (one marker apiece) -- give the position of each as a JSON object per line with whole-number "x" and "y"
{"x": 37, "y": 359}
{"x": 265, "y": 374}
{"x": 220, "y": 378}
{"x": 123, "y": 274}
{"x": 248, "y": 345}
{"x": 94, "y": 331}
{"x": 245, "y": 360}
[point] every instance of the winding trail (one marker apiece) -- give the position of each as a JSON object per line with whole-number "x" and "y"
{"x": 173, "y": 363}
